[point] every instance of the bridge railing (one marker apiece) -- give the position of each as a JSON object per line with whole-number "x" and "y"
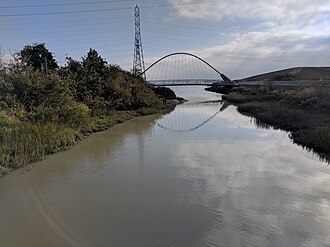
{"x": 181, "y": 82}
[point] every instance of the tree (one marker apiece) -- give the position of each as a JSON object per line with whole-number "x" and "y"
{"x": 73, "y": 69}
{"x": 94, "y": 74}
{"x": 37, "y": 56}
{"x": 94, "y": 63}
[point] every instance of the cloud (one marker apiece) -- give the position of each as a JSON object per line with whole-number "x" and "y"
{"x": 275, "y": 48}
{"x": 251, "y": 9}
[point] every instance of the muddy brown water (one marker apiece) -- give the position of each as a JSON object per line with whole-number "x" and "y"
{"x": 194, "y": 177}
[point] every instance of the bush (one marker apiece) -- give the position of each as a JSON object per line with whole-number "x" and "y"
{"x": 164, "y": 93}
{"x": 74, "y": 115}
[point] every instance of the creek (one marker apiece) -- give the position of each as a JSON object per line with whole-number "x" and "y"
{"x": 196, "y": 176}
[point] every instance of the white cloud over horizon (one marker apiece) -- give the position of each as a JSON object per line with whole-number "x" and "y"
{"x": 276, "y": 48}
{"x": 283, "y": 10}
{"x": 288, "y": 33}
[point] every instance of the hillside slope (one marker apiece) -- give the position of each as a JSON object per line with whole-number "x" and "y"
{"x": 294, "y": 74}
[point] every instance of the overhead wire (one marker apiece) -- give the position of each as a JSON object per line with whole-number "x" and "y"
{"x": 63, "y": 4}
{"x": 193, "y": 34}
{"x": 183, "y": 41}
{"x": 103, "y": 10}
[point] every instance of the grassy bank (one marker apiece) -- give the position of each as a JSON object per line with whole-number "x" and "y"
{"x": 23, "y": 143}
{"x": 304, "y": 112}
{"x": 46, "y": 111}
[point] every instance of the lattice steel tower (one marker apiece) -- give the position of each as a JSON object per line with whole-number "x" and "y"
{"x": 138, "y": 60}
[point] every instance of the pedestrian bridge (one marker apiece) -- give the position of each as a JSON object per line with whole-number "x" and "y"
{"x": 184, "y": 69}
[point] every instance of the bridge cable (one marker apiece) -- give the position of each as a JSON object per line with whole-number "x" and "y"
{"x": 200, "y": 71}
{"x": 184, "y": 70}
{"x": 194, "y": 64}
{"x": 190, "y": 65}
{"x": 204, "y": 72}
{"x": 175, "y": 67}
{"x": 161, "y": 71}
{"x": 166, "y": 73}
{"x": 196, "y": 69}
{"x": 179, "y": 68}
{"x": 185, "y": 62}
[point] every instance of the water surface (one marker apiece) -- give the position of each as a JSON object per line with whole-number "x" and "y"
{"x": 194, "y": 177}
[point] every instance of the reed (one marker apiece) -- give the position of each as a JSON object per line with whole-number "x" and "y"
{"x": 22, "y": 144}
{"x": 318, "y": 138}
{"x": 304, "y": 112}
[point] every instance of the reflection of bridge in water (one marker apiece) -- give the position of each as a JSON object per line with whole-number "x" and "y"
{"x": 191, "y": 116}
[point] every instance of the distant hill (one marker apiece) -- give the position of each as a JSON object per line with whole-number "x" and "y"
{"x": 294, "y": 74}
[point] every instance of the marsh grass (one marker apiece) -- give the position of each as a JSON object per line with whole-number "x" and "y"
{"x": 318, "y": 137}
{"x": 304, "y": 112}
{"x": 277, "y": 114}
{"x": 23, "y": 144}
{"x": 104, "y": 122}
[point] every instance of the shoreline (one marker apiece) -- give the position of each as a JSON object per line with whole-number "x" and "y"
{"x": 107, "y": 124}
{"x": 304, "y": 112}
{"x": 101, "y": 123}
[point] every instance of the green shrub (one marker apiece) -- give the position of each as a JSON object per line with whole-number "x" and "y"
{"x": 74, "y": 115}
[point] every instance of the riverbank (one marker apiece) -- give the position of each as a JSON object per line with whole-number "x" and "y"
{"x": 304, "y": 112}
{"x": 26, "y": 143}
{"x": 44, "y": 112}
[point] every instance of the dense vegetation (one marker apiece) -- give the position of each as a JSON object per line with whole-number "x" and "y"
{"x": 45, "y": 108}
{"x": 304, "y": 112}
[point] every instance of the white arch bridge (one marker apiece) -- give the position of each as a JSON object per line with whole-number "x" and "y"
{"x": 184, "y": 69}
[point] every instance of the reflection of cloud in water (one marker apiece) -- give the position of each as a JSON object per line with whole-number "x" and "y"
{"x": 269, "y": 191}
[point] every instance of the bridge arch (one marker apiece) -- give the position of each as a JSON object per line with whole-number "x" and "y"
{"x": 191, "y": 116}
{"x": 220, "y": 75}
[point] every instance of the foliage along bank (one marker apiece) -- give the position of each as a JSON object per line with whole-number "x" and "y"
{"x": 45, "y": 108}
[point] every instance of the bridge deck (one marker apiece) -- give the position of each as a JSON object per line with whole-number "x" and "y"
{"x": 189, "y": 82}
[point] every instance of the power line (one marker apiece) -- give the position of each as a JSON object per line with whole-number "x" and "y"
{"x": 65, "y": 12}
{"x": 62, "y": 4}
{"x": 101, "y": 10}
{"x": 179, "y": 39}
{"x": 34, "y": 23}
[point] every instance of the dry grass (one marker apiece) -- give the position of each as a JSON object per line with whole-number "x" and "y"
{"x": 304, "y": 112}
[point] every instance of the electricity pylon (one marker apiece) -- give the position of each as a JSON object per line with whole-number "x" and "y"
{"x": 138, "y": 60}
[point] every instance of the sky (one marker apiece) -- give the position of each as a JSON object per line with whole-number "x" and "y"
{"x": 240, "y": 38}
